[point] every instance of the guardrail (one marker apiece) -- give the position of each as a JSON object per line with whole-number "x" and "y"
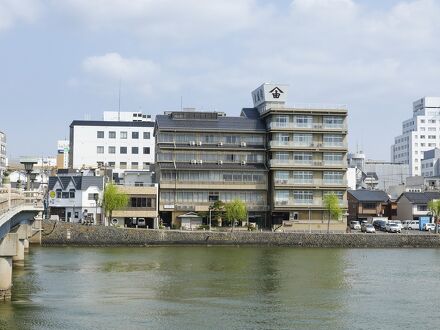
{"x": 10, "y": 198}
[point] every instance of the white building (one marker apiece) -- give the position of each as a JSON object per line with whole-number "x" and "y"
{"x": 125, "y": 116}
{"x": 119, "y": 145}
{"x": 419, "y": 133}
{"x": 430, "y": 163}
{"x": 3, "y": 159}
{"x": 63, "y": 153}
{"x": 74, "y": 197}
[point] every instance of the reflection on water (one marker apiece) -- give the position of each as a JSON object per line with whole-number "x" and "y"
{"x": 223, "y": 288}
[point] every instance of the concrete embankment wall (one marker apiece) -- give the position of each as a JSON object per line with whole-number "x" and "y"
{"x": 60, "y": 233}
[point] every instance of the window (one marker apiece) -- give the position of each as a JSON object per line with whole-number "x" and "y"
{"x": 146, "y": 166}
{"x": 303, "y": 196}
{"x": 123, "y": 135}
{"x": 146, "y": 150}
{"x": 93, "y": 197}
{"x": 100, "y": 149}
{"x": 332, "y": 158}
{"x": 123, "y": 150}
{"x": 333, "y": 122}
{"x": 134, "y": 165}
{"x": 100, "y": 134}
{"x": 123, "y": 165}
{"x": 111, "y": 164}
{"x": 146, "y": 135}
{"x": 333, "y": 140}
{"x": 72, "y": 193}
{"x": 112, "y": 135}
{"x": 111, "y": 150}
{"x": 281, "y": 121}
{"x": 370, "y": 206}
{"x": 303, "y": 121}
{"x": 135, "y": 135}
{"x": 138, "y": 184}
{"x": 303, "y": 177}
{"x": 58, "y": 193}
{"x": 134, "y": 150}
{"x": 333, "y": 177}
{"x": 302, "y": 158}
{"x": 65, "y": 194}
{"x": 302, "y": 139}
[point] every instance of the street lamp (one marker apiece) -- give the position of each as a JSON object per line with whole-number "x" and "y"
{"x": 28, "y": 167}
{"x": 32, "y": 177}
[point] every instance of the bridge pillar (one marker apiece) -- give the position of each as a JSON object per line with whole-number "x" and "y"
{"x": 22, "y": 232}
{"x": 26, "y": 246}
{"x": 8, "y": 248}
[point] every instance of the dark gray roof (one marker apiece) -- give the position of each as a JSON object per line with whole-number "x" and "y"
{"x": 79, "y": 182}
{"x": 112, "y": 123}
{"x": 251, "y": 113}
{"x": 215, "y": 166}
{"x": 420, "y": 197}
{"x": 369, "y": 195}
{"x": 221, "y": 124}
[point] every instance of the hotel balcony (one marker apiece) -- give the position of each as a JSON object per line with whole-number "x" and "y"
{"x": 310, "y": 183}
{"x": 307, "y": 145}
{"x": 220, "y": 185}
{"x": 307, "y": 164}
{"x": 297, "y": 203}
{"x": 307, "y": 127}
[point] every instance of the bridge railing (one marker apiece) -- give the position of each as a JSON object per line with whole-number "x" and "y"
{"x": 12, "y": 197}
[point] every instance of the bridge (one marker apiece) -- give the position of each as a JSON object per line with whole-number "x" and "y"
{"x": 18, "y": 209}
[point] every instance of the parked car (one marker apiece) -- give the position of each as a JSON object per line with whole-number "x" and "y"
{"x": 413, "y": 225}
{"x": 383, "y": 226}
{"x": 429, "y": 226}
{"x": 398, "y": 223}
{"x": 355, "y": 225}
{"x": 392, "y": 227}
{"x": 368, "y": 228}
{"x": 405, "y": 224}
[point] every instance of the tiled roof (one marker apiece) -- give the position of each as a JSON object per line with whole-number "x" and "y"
{"x": 420, "y": 197}
{"x": 221, "y": 124}
{"x": 369, "y": 195}
{"x": 79, "y": 182}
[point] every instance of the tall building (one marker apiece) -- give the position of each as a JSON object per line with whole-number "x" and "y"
{"x": 63, "y": 154}
{"x": 280, "y": 160}
{"x": 203, "y": 157}
{"x": 419, "y": 134}
{"x": 307, "y": 156}
{"x": 3, "y": 159}
{"x": 119, "y": 145}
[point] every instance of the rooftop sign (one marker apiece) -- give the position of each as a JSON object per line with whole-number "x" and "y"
{"x": 270, "y": 93}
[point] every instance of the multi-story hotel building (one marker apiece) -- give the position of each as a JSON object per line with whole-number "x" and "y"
{"x": 203, "y": 157}
{"x": 280, "y": 160}
{"x": 119, "y": 145}
{"x": 307, "y": 156}
{"x": 419, "y": 134}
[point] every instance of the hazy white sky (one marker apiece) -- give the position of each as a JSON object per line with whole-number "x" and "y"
{"x": 62, "y": 60}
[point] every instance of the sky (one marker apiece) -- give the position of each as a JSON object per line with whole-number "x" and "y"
{"x": 64, "y": 60}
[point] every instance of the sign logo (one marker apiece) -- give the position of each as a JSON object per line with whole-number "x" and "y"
{"x": 52, "y": 194}
{"x": 276, "y": 92}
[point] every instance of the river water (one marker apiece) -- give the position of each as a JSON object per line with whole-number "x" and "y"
{"x": 225, "y": 288}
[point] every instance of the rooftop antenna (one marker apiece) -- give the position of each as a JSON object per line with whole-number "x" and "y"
{"x": 119, "y": 101}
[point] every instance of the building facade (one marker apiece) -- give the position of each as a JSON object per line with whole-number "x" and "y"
{"x": 63, "y": 154}
{"x": 75, "y": 198}
{"x": 419, "y": 134}
{"x": 430, "y": 163}
{"x": 3, "y": 158}
{"x": 307, "y": 156}
{"x": 413, "y": 205}
{"x": 203, "y": 157}
{"x": 363, "y": 204}
{"x": 280, "y": 160}
{"x": 119, "y": 145}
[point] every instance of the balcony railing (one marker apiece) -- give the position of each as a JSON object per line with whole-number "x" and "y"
{"x": 291, "y": 162}
{"x": 291, "y": 202}
{"x": 310, "y": 126}
{"x": 294, "y": 144}
{"x": 313, "y": 182}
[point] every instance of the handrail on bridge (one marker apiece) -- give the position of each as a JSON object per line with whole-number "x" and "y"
{"x": 12, "y": 197}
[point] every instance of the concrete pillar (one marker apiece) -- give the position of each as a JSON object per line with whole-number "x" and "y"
{"x": 26, "y": 246}
{"x": 5, "y": 278}
{"x": 8, "y": 248}
{"x": 19, "y": 256}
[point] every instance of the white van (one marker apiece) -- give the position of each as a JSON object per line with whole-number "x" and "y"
{"x": 413, "y": 225}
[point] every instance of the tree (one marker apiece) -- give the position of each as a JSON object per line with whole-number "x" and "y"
{"x": 113, "y": 199}
{"x": 331, "y": 203}
{"x": 236, "y": 211}
{"x": 434, "y": 208}
{"x": 217, "y": 209}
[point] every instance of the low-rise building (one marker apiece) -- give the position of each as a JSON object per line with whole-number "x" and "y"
{"x": 413, "y": 205}
{"x": 363, "y": 204}
{"x": 75, "y": 198}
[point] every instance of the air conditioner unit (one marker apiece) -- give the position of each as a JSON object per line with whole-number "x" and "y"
{"x": 193, "y": 161}
{"x": 220, "y": 144}
{"x": 199, "y": 143}
{"x": 220, "y": 162}
{"x": 200, "y": 161}
{"x": 192, "y": 143}
{"x": 243, "y": 144}
{"x": 243, "y": 162}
